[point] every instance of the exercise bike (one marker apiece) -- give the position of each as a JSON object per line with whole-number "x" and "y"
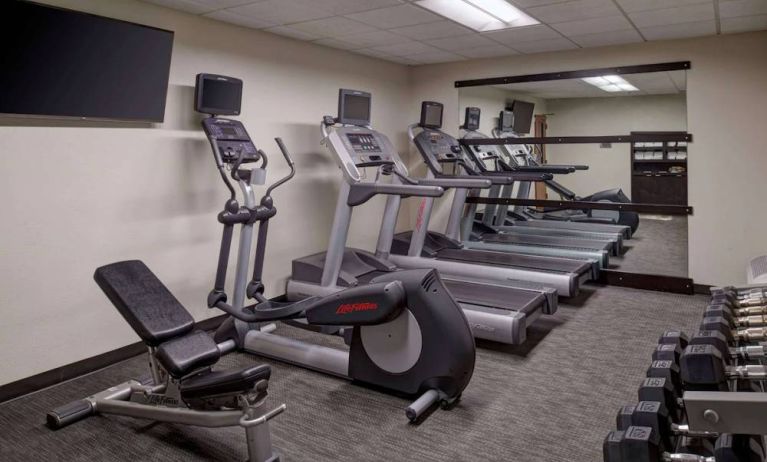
{"x": 404, "y": 330}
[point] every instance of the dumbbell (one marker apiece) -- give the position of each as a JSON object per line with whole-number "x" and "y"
{"x": 655, "y": 415}
{"x": 736, "y": 321}
{"x": 641, "y": 444}
{"x": 674, "y": 337}
{"x": 703, "y": 367}
{"x": 663, "y": 391}
{"x": 737, "y": 311}
{"x": 721, "y": 324}
{"x": 719, "y": 341}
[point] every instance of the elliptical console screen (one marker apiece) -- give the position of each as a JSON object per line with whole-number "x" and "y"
{"x": 218, "y": 94}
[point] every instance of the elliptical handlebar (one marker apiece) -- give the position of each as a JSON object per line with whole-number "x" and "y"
{"x": 291, "y": 164}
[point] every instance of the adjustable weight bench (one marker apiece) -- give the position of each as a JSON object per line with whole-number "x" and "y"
{"x": 182, "y": 387}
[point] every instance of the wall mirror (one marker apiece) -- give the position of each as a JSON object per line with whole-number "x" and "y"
{"x": 594, "y": 104}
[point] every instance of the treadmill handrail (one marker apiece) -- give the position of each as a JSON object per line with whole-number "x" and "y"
{"x": 513, "y": 175}
{"x": 363, "y": 192}
{"x": 457, "y": 181}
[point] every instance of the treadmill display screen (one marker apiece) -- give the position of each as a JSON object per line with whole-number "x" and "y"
{"x": 505, "y": 121}
{"x": 356, "y": 107}
{"x": 471, "y": 121}
{"x": 431, "y": 115}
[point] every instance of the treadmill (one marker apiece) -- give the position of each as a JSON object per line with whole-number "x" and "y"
{"x": 496, "y": 310}
{"x": 420, "y": 247}
{"x": 488, "y": 159}
{"x": 520, "y": 155}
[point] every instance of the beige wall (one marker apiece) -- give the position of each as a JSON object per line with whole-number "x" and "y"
{"x": 608, "y": 167}
{"x": 80, "y": 195}
{"x": 726, "y": 106}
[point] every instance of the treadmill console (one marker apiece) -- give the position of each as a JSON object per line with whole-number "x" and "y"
{"x": 230, "y": 139}
{"x": 437, "y": 147}
{"x": 367, "y": 148}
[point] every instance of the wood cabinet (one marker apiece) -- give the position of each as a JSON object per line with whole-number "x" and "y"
{"x": 659, "y": 172}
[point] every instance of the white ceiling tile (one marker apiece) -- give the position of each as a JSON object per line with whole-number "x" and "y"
{"x": 673, "y": 31}
{"x": 374, "y": 53}
{"x": 531, "y": 3}
{"x": 744, "y": 24}
{"x": 406, "y": 49}
{"x": 632, "y": 6}
{"x": 601, "y": 39}
{"x": 395, "y": 16}
{"x": 593, "y": 25}
{"x": 737, "y": 8}
{"x": 463, "y": 42}
{"x": 432, "y": 30}
{"x": 542, "y": 46}
{"x": 435, "y": 57}
{"x": 404, "y": 60}
{"x": 190, "y": 6}
{"x": 240, "y": 20}
{"x": 374, "y": 39}
{"x": 340, "y": 7}
{"x": 488, "y": 52}
{"x": 574, "y": 10}
{"x": 335, "y": 43}
{"x": 523, "y": 34}
{"x": 676, "y": 15}
{"x": 335, "y": 26}
{"x": 292, "y": 33}
{"x": 282, "y": 11}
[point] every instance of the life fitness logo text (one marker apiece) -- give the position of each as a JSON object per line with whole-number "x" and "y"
{"x": 356, "y": 307}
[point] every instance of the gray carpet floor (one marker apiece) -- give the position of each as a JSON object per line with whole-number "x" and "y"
{"x": 659, "y": 247}
{"x": 553, "y": 399}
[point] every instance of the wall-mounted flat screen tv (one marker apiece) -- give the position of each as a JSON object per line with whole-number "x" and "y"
{"x": 63, "y": 63}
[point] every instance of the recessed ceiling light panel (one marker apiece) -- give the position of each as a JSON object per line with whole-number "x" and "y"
{"x": 480, "y": 15}
{"x": 610, "y": 83}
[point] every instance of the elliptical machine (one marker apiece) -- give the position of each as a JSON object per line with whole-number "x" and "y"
{"x": 408, "y": 335}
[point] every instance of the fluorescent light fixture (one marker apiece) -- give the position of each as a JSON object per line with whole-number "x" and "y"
{"x": 611, "y": 83}
{"x": 480, "y": 15}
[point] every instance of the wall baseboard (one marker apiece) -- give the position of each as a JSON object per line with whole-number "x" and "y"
{"x": 673, "y": 284}
{"x": 70, "y": 371}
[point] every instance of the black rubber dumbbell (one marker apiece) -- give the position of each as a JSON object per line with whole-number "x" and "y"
{"x": 666, "y": 369}
{"x": 641, "y": 444}
{"x": 703, "y": 367}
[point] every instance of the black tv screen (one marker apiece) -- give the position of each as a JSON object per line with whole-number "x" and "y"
{"x": 523, "y": 116}
{"x": 63, "y": 63}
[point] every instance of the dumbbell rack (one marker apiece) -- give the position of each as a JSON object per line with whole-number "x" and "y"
{"x": 707, "y": 388}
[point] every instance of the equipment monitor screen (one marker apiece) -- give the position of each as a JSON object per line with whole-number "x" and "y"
{"x": 431, "y": 114}
{"x": 523, "y": 116}
{"x": 63, "y": 63}
{"x": 218, "y": 94}
{"x": 505, "y": 121}
{"x": 353, "y": 107}
{"x": 471, "y": 119}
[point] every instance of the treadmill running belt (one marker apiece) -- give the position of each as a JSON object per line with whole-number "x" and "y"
{"x": 492, "y": 296}
{"x": 570, "y": 243}
{"x": 489, "y": 257}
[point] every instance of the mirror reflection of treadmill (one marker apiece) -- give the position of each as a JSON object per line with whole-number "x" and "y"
{"x": 448, "y": 254}
{"x": 499, "y": 307}
{"x": 498, "y": 228}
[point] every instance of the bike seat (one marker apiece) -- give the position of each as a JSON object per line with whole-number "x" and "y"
{"x": 218, "y": 383}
